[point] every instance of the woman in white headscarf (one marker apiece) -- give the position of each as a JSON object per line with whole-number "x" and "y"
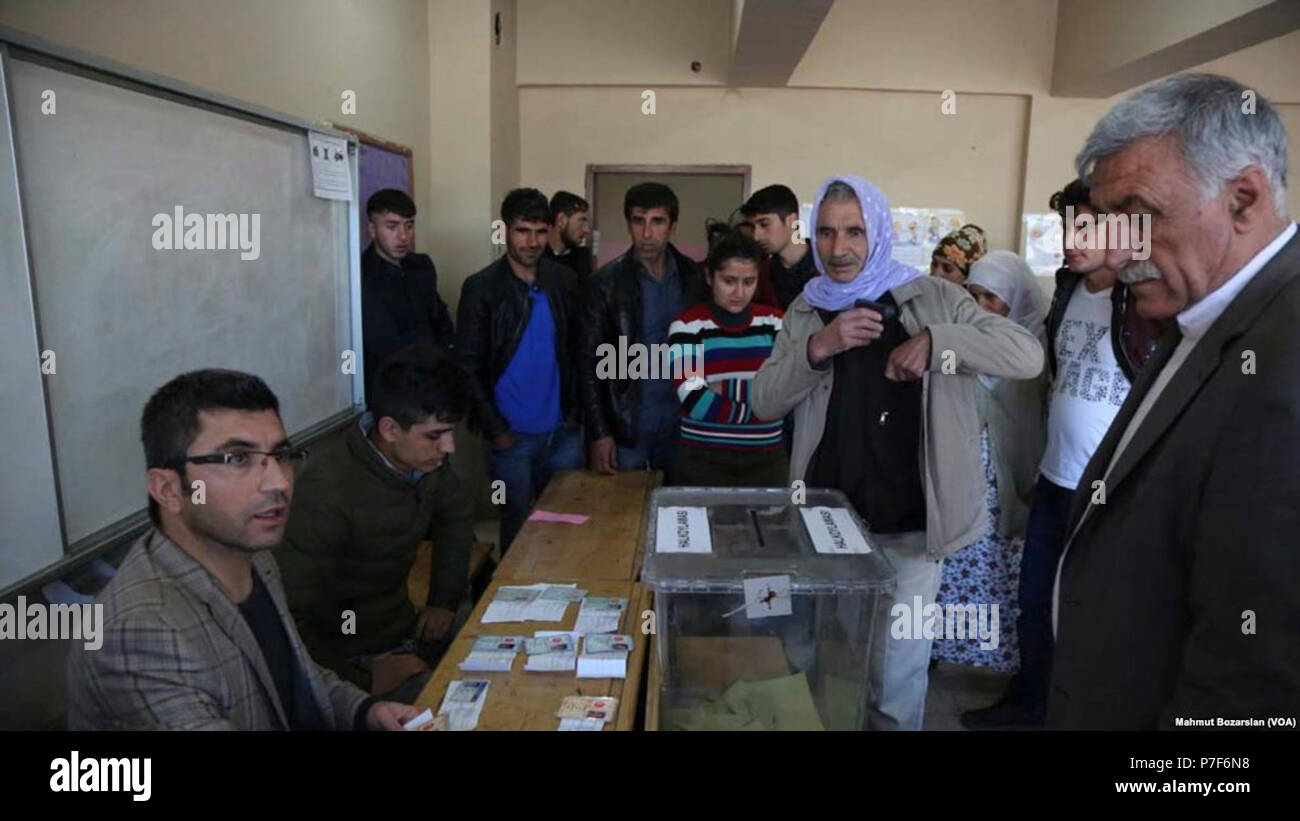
{"x": 1013, "y": 434}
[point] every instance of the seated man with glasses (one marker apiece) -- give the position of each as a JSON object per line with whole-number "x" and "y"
{"x": 364, "y": 504}
{"x": 196, "y": 632}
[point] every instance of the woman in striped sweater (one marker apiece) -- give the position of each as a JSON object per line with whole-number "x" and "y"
{"x": 715, "y": 349}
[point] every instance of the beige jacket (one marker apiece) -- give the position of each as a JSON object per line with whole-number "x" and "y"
{"x": 1016, "y": 415}
{"x": 980, "y": 342}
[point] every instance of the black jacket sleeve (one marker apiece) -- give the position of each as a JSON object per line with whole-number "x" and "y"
{"x": 591, "y": 335}
{"x": 439, "y": 315}
{"x": 474, "y": 350}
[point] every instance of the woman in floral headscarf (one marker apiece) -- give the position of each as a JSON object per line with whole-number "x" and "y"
{"x": 955, "y": 253}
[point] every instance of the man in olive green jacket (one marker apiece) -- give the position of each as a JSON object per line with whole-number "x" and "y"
{"x": 364, "y": 503}
{"x": 884, "y": 409}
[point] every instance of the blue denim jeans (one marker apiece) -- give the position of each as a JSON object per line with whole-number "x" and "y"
{"x": 900, "y": 667}
{"x": 1044, "y": 540}
{"x": 526, "y": 467}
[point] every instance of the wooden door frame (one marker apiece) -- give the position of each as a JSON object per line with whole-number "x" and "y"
{"x": 744, "y": 171}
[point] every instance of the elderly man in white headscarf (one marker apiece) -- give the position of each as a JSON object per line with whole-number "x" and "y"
{"x": 878, "y": 364}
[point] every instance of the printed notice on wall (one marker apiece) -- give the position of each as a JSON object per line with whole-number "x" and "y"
{"x": 331, "y": 173}
{"x": 832, "y": 530}
{"x": 683, "y": 530}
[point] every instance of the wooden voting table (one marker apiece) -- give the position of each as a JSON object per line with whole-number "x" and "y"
{"x": 521, "y": 700}
{"x": 606, "y": 546}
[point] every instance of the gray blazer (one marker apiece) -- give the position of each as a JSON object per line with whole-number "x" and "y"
{"x": 178, "y": 655}
{"x": 1178, "y": 596}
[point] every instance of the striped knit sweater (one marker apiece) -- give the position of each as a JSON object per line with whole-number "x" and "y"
{"x": 732, "y": 347}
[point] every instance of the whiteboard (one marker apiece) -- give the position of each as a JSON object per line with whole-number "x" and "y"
{"x": 122, "y": 317}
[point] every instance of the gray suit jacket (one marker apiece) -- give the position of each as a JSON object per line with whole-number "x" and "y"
{"x": 1179, "y": 597}
{"x": 178, "y": 655}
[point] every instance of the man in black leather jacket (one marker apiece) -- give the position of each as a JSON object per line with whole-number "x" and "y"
{"x": 631, "y": 420}
{"x": 517, "y": 332}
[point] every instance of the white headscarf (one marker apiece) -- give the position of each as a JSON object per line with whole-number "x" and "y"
{"x": 1010, "y": 279}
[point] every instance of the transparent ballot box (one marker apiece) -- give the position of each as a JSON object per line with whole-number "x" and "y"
{"x": 766, "y": 611}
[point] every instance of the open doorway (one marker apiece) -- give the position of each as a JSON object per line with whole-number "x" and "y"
{"x": 703, "y": 191}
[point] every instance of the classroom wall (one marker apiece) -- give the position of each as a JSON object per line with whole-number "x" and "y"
{"x": 294, "y": 56}
{"x": 876, "y": 69}
{"x": 897, "y": 139}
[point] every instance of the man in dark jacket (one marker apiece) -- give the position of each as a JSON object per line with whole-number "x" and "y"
{"x": 632, "y": 422}
{"x": 1096, "y": 343}
{"x": 774, "y": 210}
{"x": 1175, "y": 600}
{"x": 365, "y": 501}
{"x": 570, "y": 226}
{"x": 400, "y": 305}
{"x": 518, "y": 329}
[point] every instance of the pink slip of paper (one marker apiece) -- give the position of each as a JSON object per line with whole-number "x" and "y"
{"x": 566, "y": 518}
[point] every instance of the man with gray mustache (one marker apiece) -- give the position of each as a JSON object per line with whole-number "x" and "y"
{"x": 879, "y": 364}
{"x": 1175, "y": 595}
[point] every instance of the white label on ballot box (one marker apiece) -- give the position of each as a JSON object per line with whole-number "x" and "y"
{"x": 832, "y": 530}
{"x": 683, "y": 530}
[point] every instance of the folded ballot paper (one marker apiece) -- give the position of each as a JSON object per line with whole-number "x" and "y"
{"x": 492, "y": 654}
{"x": 463, "y": 703}
{"x": 604, "y": 656}
{"x": 551, "y": 652}
{"x": 533, "y": 602}
{"x": 600, "y": 614}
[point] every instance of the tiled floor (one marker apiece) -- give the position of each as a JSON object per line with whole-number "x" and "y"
{"x": 955, "y": 688}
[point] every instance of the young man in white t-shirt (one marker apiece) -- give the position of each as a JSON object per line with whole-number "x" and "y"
{"x": 1095, "y": 345}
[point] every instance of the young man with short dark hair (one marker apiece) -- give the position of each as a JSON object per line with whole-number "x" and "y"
{"x": 518, "y": 332}
{"x": 774, "y": 210}
{"x": 632, "y": 423}
{"x": 400, "y": 304}
{"x": 570, "y": 227}
{"x": 195, "y": 636}
{"x": 365, "y": 503}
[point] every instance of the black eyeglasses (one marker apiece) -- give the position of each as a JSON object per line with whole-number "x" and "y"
{"x": 243, "y": 461}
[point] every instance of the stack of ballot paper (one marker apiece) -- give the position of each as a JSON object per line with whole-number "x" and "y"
{"x": 604, "y": 656}
{"x": 600, "y": 614}
{"x": 533, "y": 602}
{"x": 492, "y": 654}
{"x": 551, "y": 652}
{"x": 463, "y": 703}
{"x": 586, "y": 712}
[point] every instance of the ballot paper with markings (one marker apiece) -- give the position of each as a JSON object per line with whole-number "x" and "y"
{"x": 463, "y": 703}
{"x": 604, "y": 656}
{"x": 833, "y": 531}
{"x": 600, "y": 614}
{"x": 533, "y": 602}
{"x": 492, "y": 654}
{"x": 551, "y": 651}
{"x": 683, "y": 530}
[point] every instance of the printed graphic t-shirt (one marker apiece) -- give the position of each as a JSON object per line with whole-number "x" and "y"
{"x": 1089, "y": 388}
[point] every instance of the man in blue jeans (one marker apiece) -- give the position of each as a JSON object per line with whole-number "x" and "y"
{"x": 1096, "y": 343}
{"x": 516, "y": 334}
